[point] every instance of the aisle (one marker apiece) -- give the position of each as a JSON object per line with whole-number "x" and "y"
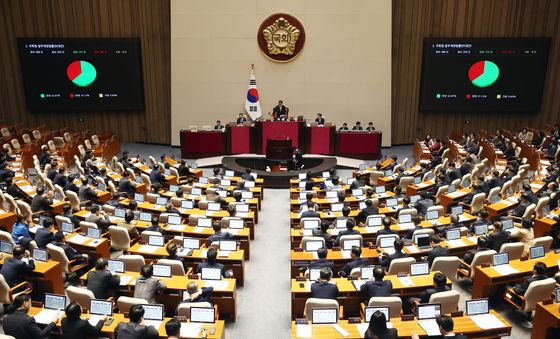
{"x": 264, "y": 302}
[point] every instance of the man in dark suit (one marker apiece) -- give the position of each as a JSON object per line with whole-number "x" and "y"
{"x": 44, "y": 236}
{"x": 44, "y": 156}
{"x": 218, "y": 234}
{"x": 322, "y": 261}
{"x": 218, "y": 125}
{"x": 386, "y": 259}
{"x": 454, "y": 224}
{"x": 87, "y": 193}
{"x": 41, "y": 201}
{"x": 482, "y": 245}
{"x": 156, "y": 176}
{"x": 18, "y": 324}
{"x": 386, "y": 230}
{"x": 416, "y": 220}
{"x": 14, "y": 268}
{"x": 355, "y": 263}
{"x": 319, "y": 119}
{"x": 53, "y": 171}
{"x": 280, "y": 112}
{"x": 241, "y": 119}
{"x": 247, "y": 175}
{"x": 100, "y": 281}
{"x": 495, "y": 181}
{"x": 70, "y": 252}
{"x": 60, "y": 178}
{"x": 211, "y": 255}
{"x": 369, "y": 210}
{"x": 322, "y": 288}
{"x": 440, "y": 281}
{"x": 310, "y": 213}
{"x": 323, "y": 233}
{"x": 344, "y": 127}
{"x": 466, "y": 166}
{"x": 437, "y": 250}
{"x": 539, "y": 273}
{"x": 99, "y": 218}
{"x": 520, "y": 209}
{"x": 358, "y": 126}
{"x": 445, "y": 324}
{"x": 127, "y": 186}
{"x": 135, "y": 329}
{"x": 359, "y": 182}
{"x": 497, "y": 238}
{"x": 73, "y": 327}
{"x": 350, "y": 223}
{"x": 70, "y": 185}
{"x": 67, "y": 212}
{"x": 423, "y": 203}
{"x": 378, "y": 287}
{"x": 183, "y": 169}
{"x": 531, "y": 196}
{"x": 453, "y": 172}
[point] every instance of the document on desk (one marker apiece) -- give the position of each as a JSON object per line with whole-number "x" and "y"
{"x": 456, "y": 243}
{"x": 362, "y": 328}
{"x": 125, "y": 279}
{"x": 209, "y": 213}
{"x": 430, "y": 326}
{"x": 505, "y": 269}
{"x": 46, "y": 316}
{"x": 340, "y": 330}
{"x": 218, "y": 285}
{"x": 335, "y": 231}
{"x": 178, "y": 228}
{"x": 154, "y": 323}
{"x": 234, "y": 231}
{"x": 358, "y": 283}
{"x": 197, "y": 229}
{"x": 147, "y": 249}
{"x": 463, "y": 218}
{"x": 307, "y": 232}
{"x": 487, "y": 321}
{"x": 94, "y": 319}
{"x": 304, "y": 331}
{"x": 389, "y": 250}
{"x": 474, "y": 240}
{"x": 242, "y": 215}
{"x": 189, "y": 330}
{"x": 345, "y": 254}
{"x": 224, "y": 254}
{"x": 78, "y": 239}
{"x": 412, "y": 249}
{"x": 406, "y": 226}
{"x": 372, "y": 229}
{"x": 406, "y": 281}
{"x": 34, "y": 228}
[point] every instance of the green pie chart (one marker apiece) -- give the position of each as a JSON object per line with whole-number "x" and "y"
{"x": 81, "y": 73}
{"x": 483, "y": 73}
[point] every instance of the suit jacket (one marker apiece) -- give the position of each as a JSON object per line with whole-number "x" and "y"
{"x": 101, "y": 221}
{"x": 324, "y": 290}
{"x": 497, "y": 239}
{"x": 495, "y": 182}
{"x": 247, "y": 177}
{"x": 521, "y": 288}
{"x": 43, "y": 236}
{"x": 465, "y": 168}
{"x": 80, "y": 329}
{"x": 425, "y": 296}
{"x": 326, "y": 236}
{"x": 60, "y": 180}
{"x": 220, "y": 236}
{"x": 520, "y": 209}
{"x": 239, "y": 121}
{"x": 358, "y": 262}
{"x": 320, "y": 263}
{"x": 454, "y": 174}
{"x": 370, "y": 210}
{"x": 320, "y": 121}
{"x": 70, "y": 252}
{"x": 157, "y": 177}
{"x": 100, "y": 282}
{"x": 422, "y": 205}
{"x": 70, "y": 186}
{"x": 86, "y": 193}
{"x": 51, "y": 174}
{"x": 127, "y": 187}
{"x": 345, "y": 232}
{"x": 183, "y": 171}
{"x": 40, "y": 203}
{"x": 386, "y": 260}
{"x": 310, "y": 214}
{"x": 280, "y": 111}
{"x": 469, "y": 256}
{"x": 376, "y": 288}
{"x": 357, "y": 184}
{"x": 135, "y": 331}
{"x": 207, "y": 264}
{"x": 437, "y": 251}
{"x": 22, "y": 326}
{"x": 14, "y": 269}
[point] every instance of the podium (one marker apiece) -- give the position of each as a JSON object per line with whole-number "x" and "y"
{"x": 279, "y": 130}
{"x": 320, "y": 139}
{"x": 280, "y": 150}
{"x": 240, "y": 139}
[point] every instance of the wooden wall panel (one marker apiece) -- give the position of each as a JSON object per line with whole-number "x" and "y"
{"x": 415, "y": 19}
{"x": 147, "y": 19}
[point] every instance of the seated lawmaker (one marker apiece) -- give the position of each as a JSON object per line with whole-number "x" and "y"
{"x": 322, "y": 288}
{"x": 370, "y": 127}
{"x": 440, "y": 285}
{"x": 218, "y": 233}
{"x": 482, "y": 245}
{"x": 126, "y": 185}
{"x": 356, "y": 262}
{"x": 386, "y": 222}
{"x": 322, "y": 259}
{"x": 358, "y": 126}
{"x": 319, "y": 119}
{"x": 497, "y": 238}
{"x": 135, "y": 328}
{"x": 369, "y": 210}
{"x": 18, "y": 324}
{"x": 241, "y": 119}
{"x": 323, "y": 233}
{"x": 437, "y": 250}
{"x": 218, "y": 125}
{"x": 20, "y": 231}
{"x": 196, "y": 294}
{"x": 14, "y": 268}
{"x": 147, "y": 286}
{"x": 377, "y": 328}
{"x": 376, "y": 287}
{"x": 101, "y": 281}
{"x": 445, "y": 324}
{"x": 539, "y": 273}
{"x": 211, "y": 255}
{"x": 386, "y": 259}
{"x": 44, "y": 236}
{"x": 344, "y": 127}
{"x": 350, "y": 223}
{"x": 74, "y": 327}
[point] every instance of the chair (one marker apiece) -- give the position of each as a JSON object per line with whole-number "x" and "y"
{"x": 32, "y": 245}
{"x": 411, "y": 211}
{"x": 37, "y": 134}
{"x": 449, "y": 300}
{"x": 7, "y": 294}
{"x": 378, "y": 240}
{"x": 25, "y": 210}
{"x": 354, "y": 237}
{"x": 84, "y": 225}
{"x": 483, "y": 257}
{"x": 133, "y": 262}
{"x": 120, "y": 239}
{"x": 75, "y": 201}
{"x": 304, "y": 240}
{"x": 466, "y": 177}
{"x": 183, "y": 310}
{"x": 477, "y": 203}
{"x": 177, "y": 267}
{"x": 95, "y": 140}
{"x": 439, "y": 208}
{"x": 515, "y": 249}
{"x": 146, "y": 181}
{"x": 405, "y": 181}
{"x": 80, "y": 295}
{"x": 193, "y": 219}
{"x": 539, "y": 213}
{"x": 394, "y": 303}
{"x": 429, "y": 231}
{"x": 447, "y": 265}
{"x": 492, "y": 193}
{"x": 125, "y": 303}
{"x": 303, "y": 220}
{"x": 16, "y": 145}
{"x": 26, "y": 139}
{"x": 440, "y": 192}
{"x": 545, "y": 241}
{"x": 400, "y": 265}
{"x": 146, "y": 234}
{"x": 152, "y": 160}
{"x": 537, "y": 291}
{"x": 5, "y": 132}
{"x": 6, "y": 236}
{"x": 373, "y": 176}
{"x": 68, "y": 266}
{"x": 317, "y": 304}
{"x": 87, "y": 143}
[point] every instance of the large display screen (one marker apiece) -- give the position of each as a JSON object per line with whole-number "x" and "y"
{"x": 483, "y": 74}
{"x": 82, "y": 74}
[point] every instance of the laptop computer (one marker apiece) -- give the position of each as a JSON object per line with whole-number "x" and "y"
{"x": 210, "y": 273}
{"x": 40, "y": 255}
{"x": 414, "y": 198}
{"x": 337, "y": 207}
{"x": 225, "y": 182}
{"x": 54, "y": 304}
{"x": 246, "y": 195}
{"x": 145, "y": 216}
{"x": 100, "y": 307}
{"x": 302, "y": 176}
{"x": 6, "y": 247}
{"x": 167, "y": 171}
{"x": 362, "y": 167}
{"x": 392, "y": 202}
{"x": 229, "y": 173}
{"x": 324, "y": 316}
{"x": 369, "y": 311}
{"x": 422, "y": 240}
{"x": 457, "y": 210}
{"x": 331, "y": 194}
{"x": 193, "y": 165}
{"x": 242, "y": 208}
{"x": 203, "y": 180}
{"x": 138, "y": 179}
{"x": 451, "y": 188}
{"x": 191, "y": 243}
{"x": 196, "y": 191}
{"x": 388, "y": 173}
{"x": 162, "y": 271}
{"x": 432, "y": 215}
{"x": 156, "y": 240}
{"x": 349, "y": 181}
{"x": 357, "y": 192}
{"x": 302, "y": 184}
{"x": 477, "y": 306}
{"x": 419, "y": 268}
{"x": 495, "y": 198}
{"x": 326, "y": 174}
{"x": 417, "y": 180}
{"x": 173, "y": 188}
{"x": 174, "y": 219}
{"x": 405, "y": 218}
{"x": 101, "y": 187}
{"x": 313, "y": 245}
{"x": 153, "y": 314}
{"x": 536, "y": 252}
{"x": 557, "y": 295}
{"x": 362, "y": 205}
{"x": 204, "y": 222}
{"x": 386, "y": 242}
{"x": 500, "y": 259}
{"x": 205, "y": 315}
{"x": 341, "y": 223}
{"x": 379, "y": 189}
{"x": 116, "y": 266}
{"x": 428, "y": 311}
{"x": 138, "y": 197}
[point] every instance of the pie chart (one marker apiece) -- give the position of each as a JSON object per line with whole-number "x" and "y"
{"x": 81, "y": 73}
{"x": 483, "y": 73}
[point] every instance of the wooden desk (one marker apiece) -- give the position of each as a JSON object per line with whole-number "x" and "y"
{"x": 543, "y": 226}
{"x": 99, "y": 247}
{"x": 487, "y": 280}
{"x": 7, "y": 219}
{"x": 462, "y": 324}
{"x": 119, "y": 318}
{"x": 546, "y": 316}
{"x": 423, "y": 186}
{"x": 47, "y": 274}
{"x": 449, "y": 199}
{"x": 302, "y": 259}
{"x": 501, "y": 207}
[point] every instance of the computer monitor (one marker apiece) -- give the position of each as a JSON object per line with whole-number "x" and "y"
{"x": 229, "y": 173}
{"x": 173, "y": 188}
{"x": 314, "y": 274}
{"x": 6, "y": 247}
{"x": 328, "y": 183}
{"x": 187, "y": 204}
{"x": 55, "y": 301}
{"x": 203, "y": 180}
{"x": 367, "y": 272}
{"x": 477, "y": 306}
{"x": 481, "y": 229}
{"x": 405, "y": 218}
{"x": 392, "y": 202}
{"x": 466, "y": 183}
{"x": 348, "y": 244}
{"x": 430, "y": 175}
{"x": 310, "y": 224}
{"x": 301, "y": 184}
{"x": 40, "y": 255}
{"x": 546, "y": 209}
{"x": 100, "y": 307}
{"x": 332, "y": 194}
{"x": 163, "y": 271}
{"x": 432, "y": 215}
{"x": 536, "y": 252}
{"x": 422, "y": 239}
{"x": 417, "y": 180}
{"x": 362, "y": 205}
{"x": 451, "y": 188}
{"x": 302, "y": 195}
{"x": 210, "y": 273}
{"x": 204, "y": 222}
{"x": 161, "y": 201}
{"x": 116, "y": 266}
{"x": 138, "y": 197}
{"x": 337, "y": 207}
{"x": 500, "y": 259}
{"x": 326, "y": 174}
{"x": 457, "y": 210}
{"x": 228, "y": 245}
{"x": 167, "y": 171}
{"x": 153, "y": 312}
{"x": 369, "y": 311}
{"x": 495, "y": 198}
{"x": 222, "y": 193}
{"x": 385, "y": 242}
{"x": 373, "y": 221}
{"x": 236, "y": 224}
{"x": 428, "y": 311}
{"x": 145, "y": 216}
{"x": 42, "y": 219}
{"x": 57, "y": 196}
{"x": 357, "y": 192}
{"x": 507, "y": 224}
{"x": 302, "y": 176}
{"x": 324, "y": 316}
{"x": 419, "y": 268}
{"x": 138, "y": 179}
{"x": 202, "y": 315}
{"x": 214, "y": 206}
{"x": 174, "y": 219}
{"x": 101, "y": 187}
{"x": 242, "y": 208}
{"x": 414, "y": 198}
{"x": 193, "y": 165}
{"x": 67, "y": 227}
{"x": 388, "y": 173}
{"x": 119, "y": 212}
{"x": 362, "y": 167}
{"x": 191, "y": 243}
{"x": 94, "y": 233}
{"x": 557, "y": 290}
{"x": 453, "y": 234}
{"x": 349, "y": 181}
{"x": 379, "y": 189}
{"x": 196, "y": 191}
{"x": 313, "y": 245}
{"x": 341, "y": 223}
{"x": 246, "y": 195}
{"x": 225, "y": 182}
{"x": 156, "y": 240}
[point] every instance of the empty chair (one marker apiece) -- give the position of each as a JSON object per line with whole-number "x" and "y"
{"x": 87, "y": 144}
{"x": 177, "y": 267}
{"x": 539, "y": 209}
{"x": 394, "y": 303}
{"x": 515, "y": 249}
{"x": 81, "y": 295}
{"x": 58, "y": 142}
{"x": 95, "y": 140}
{"x": 545, "y": 241}
{"x": 439, "y": 208}
{"x": 494, "y": 191}
{"x": 74, "y": 201}
{"x": 16, "y": 145}
{"x": 411, "y": 211}
{"x": 120, "y": 240}
{"x": 133, "y": 262}
{"x": 84, "y": 225}
{"x": 146, "y": 180}
{"x": 5, "y": 132}
{"x": 477, "y": 203}
{"x": 317, "y": 304}
{"x": 373, "y": 176}
{"x": 125, "y": 303}
{"x": 37, "y": 134}
{"x": 67, "y": 137}
{"x": 440, "y": 192}
{"x": 26, "y": 139}
{"x": 447, "y": 265}
{"x": 400, "y": 265}
{"x": 449, "y": 300}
